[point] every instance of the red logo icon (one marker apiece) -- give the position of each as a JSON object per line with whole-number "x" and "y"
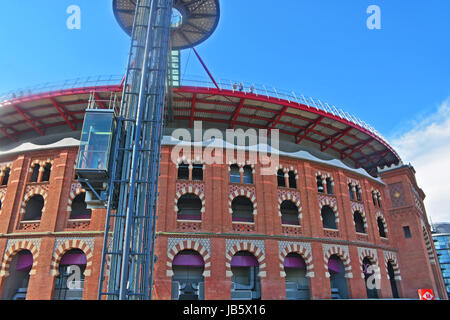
{"x": 426, "y": 294}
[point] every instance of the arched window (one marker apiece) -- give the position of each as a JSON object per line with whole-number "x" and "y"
{"x": 33, "y": 208}
{"x": 359, "y": 222}
{"x": 329, "y": 186}
{"x": 79, "y": 208}
{"x": 47, "y": 171}
{"x": 338, "y": 282}
{"x": 350, "y": 191}
{"x": 328, "y": 218}
{"x": 189, "y": 207}
{"x": 242, "y": 209}
{"x": 245, "y": 283}
{"x": 381, "y": 228}
{"x": 6, "y": 177}
{"x": 280, "y": 179}
{"x": 370, "y": 279}
{"x": 187, "y": 281}
{"x": 248, "y": 175}
{"x": 197, "y": 172}
{"x": 235, "y": 175}
{"x": 320, "y": 187}
{"x": 358, "y": 193}
{"x": 35, "y": 173}
{"x": 392, "y": 280}
{"x": 183, "y": 171}
{"x": 379, "y": 200}
{"x": 69, "y": 283}
{"x": 374, "y": 198}
{"x": 289, "y": 213}
{"x": 297, "y": 284}
{"x": 292, "y": 180}
{"x": 16, "y": 284}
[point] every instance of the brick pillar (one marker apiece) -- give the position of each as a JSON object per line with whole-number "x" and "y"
{"x": 42, "y": 283}
{"x": 218, "y": 286}
{"x": 272, "y": 285}
{"x": 217, "y": 198}
{"x": 267, "y": 221}
{"x": 312, "y": 224}
{"x": 346, "y": 225}
{"x": 320, "y": 286}
{"x": 356, "y": 284}
{"x": 91, "y": 281}
{"x": 162, "y": 283}
{"x": 385, "y": 290}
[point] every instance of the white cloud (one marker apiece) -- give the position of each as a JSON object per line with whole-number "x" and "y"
{"x": 427, "y": 147}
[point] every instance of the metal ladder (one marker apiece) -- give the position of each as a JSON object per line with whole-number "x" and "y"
{"x": 128, "y": 247}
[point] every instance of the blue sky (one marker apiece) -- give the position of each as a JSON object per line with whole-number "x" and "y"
{"x": 394, "y": 78}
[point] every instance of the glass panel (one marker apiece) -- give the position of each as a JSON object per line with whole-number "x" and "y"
{"x": 95, "y": 140}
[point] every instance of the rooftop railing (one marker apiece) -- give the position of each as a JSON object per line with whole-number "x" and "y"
{"x": 195, "y": 81}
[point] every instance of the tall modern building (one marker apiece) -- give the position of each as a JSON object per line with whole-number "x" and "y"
{"x": 441, "y": 239}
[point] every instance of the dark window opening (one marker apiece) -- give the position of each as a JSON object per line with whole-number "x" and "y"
{"x": 280, "y": 179}
{"x": 188, "y": 281}
{"x": 328, "y": 218}
{"x": 292, "y": 180}
{"x": 242, "y": 209}
{"x": 197, "y": 172}
{"x": 245, "y": 282}
{"x": 350, "y": 191}
{"x": 407, "y": 232}
{"x": 329, "y": 186}
{"x": 71, "y": 267}
{"x": 381, "y": 229}
{"x": 46, "y": 174}
{"x": 183, "y": 171}
{"x": 6, "y": 177}
{"x": 15, "y": 286}
{"x": 369, "y": 279}
{"x": 379, "y": 201}
{"x": 235, "y": 175}
{"x": 359, "y": 222}
{"x": 248, "y": 175}
{"x": 0, "y": 204}
{"x": 320, "y": 187}
{"x": 358, "y": 193}
{"x": 338, "y": 282}
{"x": 392, "y": 280}
{"x": 297, "y": 284}
{"x": 35, "y": 173}
{"x": 33, "y": 208}
{"x": 289, "y": 213}
{"x": 374, "y": 198}
{"x": 79, "y": 208}
{"x": 189, "y": 207}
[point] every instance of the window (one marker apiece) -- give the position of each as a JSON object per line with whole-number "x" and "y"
{"x": 407, "y": 232}
{"x": 188, "y": 281}
{"x": 242, "y": 209}
{"x": 235, "y": 175}
{"x": 289, "y": 213}
{"x": 280, "y": 178}
{"x": 15, "y": 286}
{"x": 297, "y": 284}
{"x": 248, "y": 175}
{"x": 359, "y": 222}
{"x": 245, "y": 283}
{"x": 71, "y": 266}
{"x": 350, "y": 191}
{"x": 319, "y": 184}
{"x": 183, "y": 171}
{"x": 328, "y": 218}
{"x": 189, "y": 207}
{"x": 369, "y": 271}
{"x": 292, "y": 180}
{"x": 33, "y": 208}
{"x": 381, "y": 228}
{"x": 79, "y": 208}
{"x": 197, "y": 172}
{"x": 338, "y": 281}
{"x": 379, "y": 200}
{"x": 374, "y": 198}
{"x": 46, "y": 174}
{"x": 35, "y": 173}
{"x": 6, "y": 177}
{"x": 329, "y": 182}
{"x": 358, "y": 193}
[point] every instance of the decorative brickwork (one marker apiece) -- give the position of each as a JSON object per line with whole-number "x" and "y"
{"x": 360, "y": 208}
{"x": 290, "y": 195}
{"x": 342, "y": 252}
{"x": 303, "y": 249}
{"x": 177, "y": 245}
{"x": 65, "y": 244}
{"x": 325, "y": 200}
{"x": 397, "y": 194}
{"x": 392, "y": 258}
{"x": 255, "y": 247}
{"x": 370, "y": 254}
{"x": 247, "y": 191}
{"x": 75, "y": 190}
{"x": 15, "y": 246}
{"x": 190, "y": 188}
{"x": 379, "y": 214}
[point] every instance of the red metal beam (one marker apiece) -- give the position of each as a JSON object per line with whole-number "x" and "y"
{"x": 236, "y": 113}
{"x": 100, "y": 103}
{"x": 28, "y": 119}
{"x": 194, "y": 101}
{"x": 7, "y": 134}
{"x": 278, "y": 118}
{"x": 310, "y": 128}
{"x": 63, "y": 114}
{"x": 358, "y": 148}
{"x": 206, "y": 68}
{"x": 337, "y": 139}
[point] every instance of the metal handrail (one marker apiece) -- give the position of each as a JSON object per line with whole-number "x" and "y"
{"x": 195, "y": 81}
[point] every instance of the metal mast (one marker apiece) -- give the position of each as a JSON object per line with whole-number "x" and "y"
{"x": 128, "y": 248}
